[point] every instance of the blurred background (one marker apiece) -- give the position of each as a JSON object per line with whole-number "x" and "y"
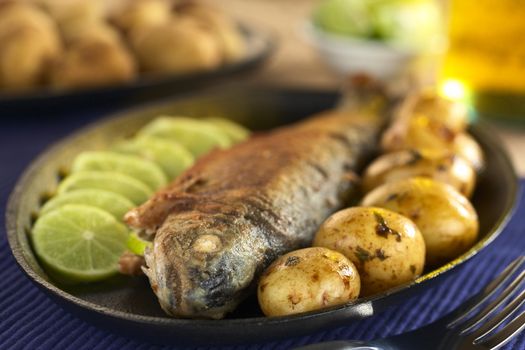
{"x": 68, "y": 52}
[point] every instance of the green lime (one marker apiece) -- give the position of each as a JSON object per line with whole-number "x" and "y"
{"x": 80, "y": 243}
{"x": 141, "y": 169}
{"x": 131, "y": 188}
{"x": 136, "y": 244}
{"x": 172, "y": 157}
{"x": 197, "y": 136}
{"x": 235, "y": 132}
{"x": 112, "y": 202}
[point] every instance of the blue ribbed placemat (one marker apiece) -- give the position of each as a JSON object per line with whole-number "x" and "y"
{"x": 30, "y": 320}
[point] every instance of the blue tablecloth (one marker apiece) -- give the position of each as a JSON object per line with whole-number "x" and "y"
{"x": 30, "y": 320}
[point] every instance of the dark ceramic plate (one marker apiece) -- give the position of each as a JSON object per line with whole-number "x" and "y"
{"x": 127, "y": 305}
{"x": 260, "y": 46}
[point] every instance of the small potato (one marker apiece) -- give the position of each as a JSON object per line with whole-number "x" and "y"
{"x": 422, "y": 133}
{"x": 177, "y": 47}
{"x": 29, "y": 44}
{"x": 386, "y": 247}
{"x": 221, "y": 27}
{"x": 441, "y": 166}
{"x": 446, "y": 218}
{"x": 90, "y": 63}
{"x": 453, "y": 114}
{"x": 417, "y": 132}
{"x": 25, "y": 58}
{"x": 141, "y": 14}
{"x": 305, "y": 280}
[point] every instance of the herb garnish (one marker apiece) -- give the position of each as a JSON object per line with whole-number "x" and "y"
{"x": 362, "y": 254}
{"x": 382, "y": 228}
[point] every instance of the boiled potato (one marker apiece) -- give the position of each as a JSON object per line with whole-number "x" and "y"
{"x": 441, "y": 166}
{"x": 453, "y": 114}
{"x": 177, "y": 47}
{"x": 29, "y": 44}
{"x": 72, "y": 13}
{"x": 386, "y": 247}
{"x": 305, "y": 280}
{"x": 141, "y": 14}
{"x": 222, "y": 28}
{"x": 446, "y": 218}
{"x": 422, "y": 133}
{"x": 90, "y": 63}
{"x": 418, "y": 132}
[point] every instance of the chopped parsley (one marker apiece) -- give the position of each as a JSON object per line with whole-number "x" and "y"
{"x": 382, "y": 228}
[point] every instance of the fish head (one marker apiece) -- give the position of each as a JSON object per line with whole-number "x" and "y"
{"x": 194, "y": 270}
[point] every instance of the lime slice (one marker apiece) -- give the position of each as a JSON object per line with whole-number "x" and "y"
{"x": 141, "y": 169}
{"x": 172, "y": 157}
{"x": 115, "y": 204}
{"x": 133, "y": 189}
{"x": 136, "y": 244}
{"x": 80, "y": 243}
{"x": 235, "y": 132}
{"x": 197, "y": 136}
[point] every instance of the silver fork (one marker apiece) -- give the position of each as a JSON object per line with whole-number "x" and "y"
{"x": 469, "y": 327}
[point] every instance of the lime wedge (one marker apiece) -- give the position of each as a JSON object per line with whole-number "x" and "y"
{"x": 172, "y": 157}
{"x": 136, "y": 244}
{"x": 141, "y": 169}
{"x": 80, "y": 243}
{"x": 115, "y": 204}
{"x": 133, "y": 189}
{"x": 197, "y": 136}
{"x": 235, "y": 132}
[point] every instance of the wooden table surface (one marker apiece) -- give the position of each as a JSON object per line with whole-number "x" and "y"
{"x": 296, "y": 63}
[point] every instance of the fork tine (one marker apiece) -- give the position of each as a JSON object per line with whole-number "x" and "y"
{"x": 494, "y": 305}
{"x": 488, "y": 291}
{"x": 506, "y": 333}
{"x": 493, "y": 323}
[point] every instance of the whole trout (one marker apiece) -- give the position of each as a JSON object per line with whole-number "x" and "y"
{"x": 223, "y": 221}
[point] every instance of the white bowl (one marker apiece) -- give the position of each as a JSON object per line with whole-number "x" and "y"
{"x": 348, "y": 55}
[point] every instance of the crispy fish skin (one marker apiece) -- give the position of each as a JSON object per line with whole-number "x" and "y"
{"x": 223, "y": 221}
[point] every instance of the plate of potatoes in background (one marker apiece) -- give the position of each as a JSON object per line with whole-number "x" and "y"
{"x": 89, "y": 48}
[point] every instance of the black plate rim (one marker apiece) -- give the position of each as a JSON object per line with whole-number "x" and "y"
{"x": 479, "y": 129}
{"x": 268, "y": 45}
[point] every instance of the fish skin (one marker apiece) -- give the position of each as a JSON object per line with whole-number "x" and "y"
{"x": 223, "y": 221}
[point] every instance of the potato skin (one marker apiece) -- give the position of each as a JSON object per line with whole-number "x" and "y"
{"x": 29, "y": 44}
{"x": 91, "y": 63}
{"x": 441, "y": 166}
{"x": 180, "y": 46}
{"x": 222, "y": 28}
{"x": 387, "y": 248}
{"x": 465, "y": 146}
{"x": 446, "y": 219}
{"x": 305, "y": 280}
